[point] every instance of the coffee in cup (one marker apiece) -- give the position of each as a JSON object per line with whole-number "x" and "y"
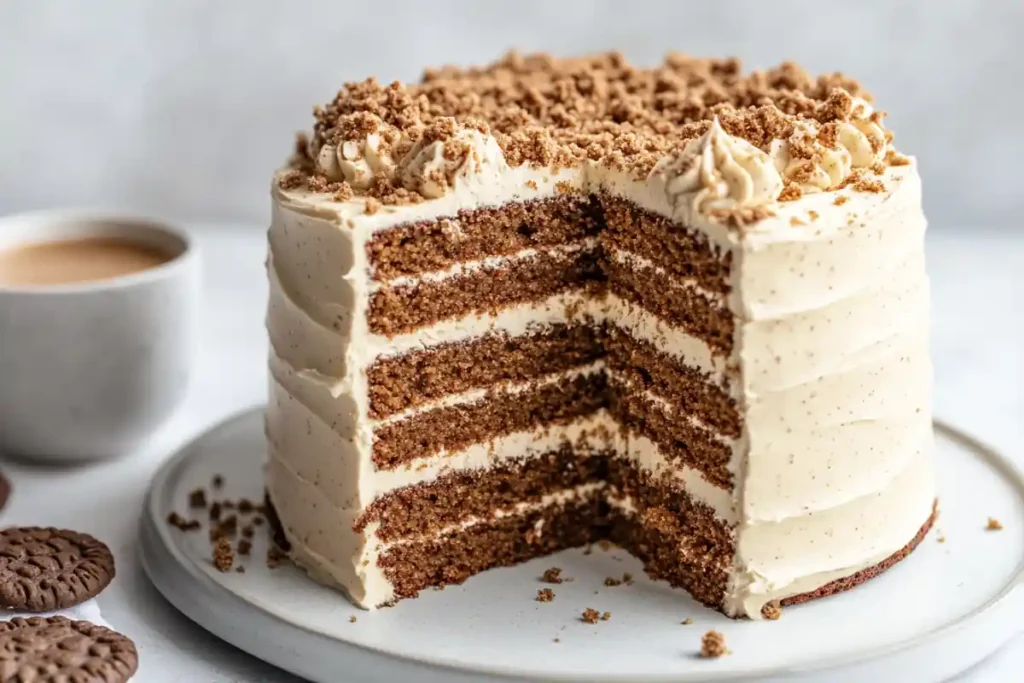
{"x": 69, "y": 261}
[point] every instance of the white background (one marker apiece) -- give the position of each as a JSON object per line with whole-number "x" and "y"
{"x": 185, "y": 107}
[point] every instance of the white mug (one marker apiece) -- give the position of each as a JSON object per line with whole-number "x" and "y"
{"x": 89, "y": 370}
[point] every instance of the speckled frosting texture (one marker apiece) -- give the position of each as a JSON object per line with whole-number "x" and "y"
{"x": 828, "y": 361}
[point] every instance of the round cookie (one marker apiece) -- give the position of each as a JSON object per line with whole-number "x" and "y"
{"x": 43, "y": 569}
{"x": 52, "y": 649}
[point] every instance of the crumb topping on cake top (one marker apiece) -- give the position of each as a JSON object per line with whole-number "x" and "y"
{"x": 724, "y": 139}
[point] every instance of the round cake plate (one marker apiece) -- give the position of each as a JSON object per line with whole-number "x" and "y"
{"x": 954, "y": 601}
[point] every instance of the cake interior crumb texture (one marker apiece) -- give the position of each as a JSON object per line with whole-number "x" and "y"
{"x": 553, "y": 302}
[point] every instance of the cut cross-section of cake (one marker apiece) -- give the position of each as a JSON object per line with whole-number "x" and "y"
{"x": 522, "y": 308}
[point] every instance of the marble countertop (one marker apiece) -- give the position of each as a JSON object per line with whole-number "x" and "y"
{"x": 978, "y": 294}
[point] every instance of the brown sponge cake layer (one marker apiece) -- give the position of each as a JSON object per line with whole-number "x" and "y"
{"x": 695, "y": 313}
{"x": 689, "y": 390}
{"x": 403, "y": 308}
{"x": 454, "y": 557}
{"x": 679, "y": 439}
{"x": 678, "y": 539}
{"x": 426, "y": 509}
{"x": 471, "y": 235}
{"x": 496, "y": 414}
{"x": 409, "y": 380}
{"x": 681, "y": 252}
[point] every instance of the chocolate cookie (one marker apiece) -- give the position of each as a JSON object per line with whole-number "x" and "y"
{"x": 57, "y": 649}
{"x": 46, "y": 569}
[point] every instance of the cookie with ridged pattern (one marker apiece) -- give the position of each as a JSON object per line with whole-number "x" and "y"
{"x": 43, "y": 569}
{"x": 60, "y": 650}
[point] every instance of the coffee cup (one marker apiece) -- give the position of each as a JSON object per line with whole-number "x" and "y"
{"x": 97, "y": 329}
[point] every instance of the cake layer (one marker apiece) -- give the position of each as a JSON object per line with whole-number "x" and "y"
{"x": 688, "y": 389}
{"x": 455, "y": 556}
{"x": 681, "y": 437}
{"x": 684, "y": 254}
{"x": 398, "y": 309}
{"x": 453, "y": 427}
{"x": 458, "y": 496}
{"x": 676, "y": 343}
{"x": 408, "y": 380}
{"x": 682, "y": 306}
{"x": 473, "y": 234}
{"x": 678, "y": 539}
{"x": 305, "y": 421}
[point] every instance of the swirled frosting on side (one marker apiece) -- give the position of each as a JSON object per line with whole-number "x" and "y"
{"x": 718, "y": 171}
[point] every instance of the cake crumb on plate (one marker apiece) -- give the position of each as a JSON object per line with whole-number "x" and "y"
{"x": 552, "y": 575}
{"x": 712, "y": 645}
{"x": 223, "y": 555}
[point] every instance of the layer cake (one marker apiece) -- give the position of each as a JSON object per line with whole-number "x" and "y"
{"x": 525, "y": 307}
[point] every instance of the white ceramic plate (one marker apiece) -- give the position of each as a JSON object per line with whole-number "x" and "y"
{"x": 931, "y": 616}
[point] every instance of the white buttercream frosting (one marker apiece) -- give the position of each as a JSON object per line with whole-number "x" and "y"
{"x": 357, "y": 158}
{"x": 469, "y": 156}
{"x": 830, "y": 365}
{"x": 816, "y": 165}
{"x": 718, "y": 171}
{"x": 425, "y": 163}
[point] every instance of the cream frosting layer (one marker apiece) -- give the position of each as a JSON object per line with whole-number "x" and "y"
{"x": 486, "y": 264}
{"x": 800, "y": 554}
{"x": 831, "y": 361}
{"x": 314, "y": 547}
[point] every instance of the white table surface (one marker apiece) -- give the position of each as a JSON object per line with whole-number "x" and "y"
{"x": 978, "y": 294}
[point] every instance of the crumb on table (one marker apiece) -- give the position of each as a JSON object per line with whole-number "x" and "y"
{"x": 590, "y": 615}
{"x": 545, "y": 595}
{"x": 994, "y": 524}
{"x": 712, "y": 645}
